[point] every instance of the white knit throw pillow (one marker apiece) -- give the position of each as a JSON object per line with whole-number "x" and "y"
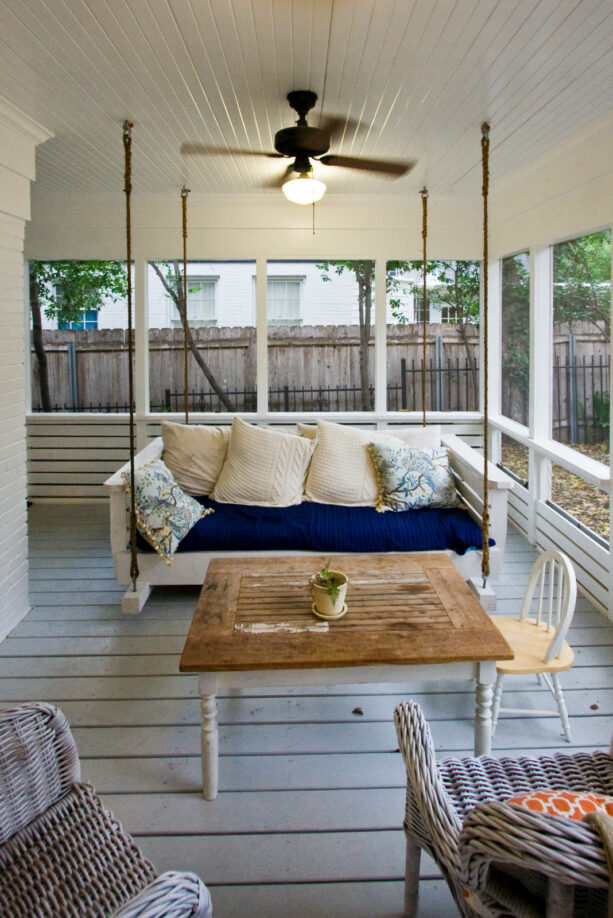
{"x": 263, "y": 467}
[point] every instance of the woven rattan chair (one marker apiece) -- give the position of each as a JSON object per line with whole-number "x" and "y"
{"x": 61, "y": 852}
{"x": 501, "y": 860}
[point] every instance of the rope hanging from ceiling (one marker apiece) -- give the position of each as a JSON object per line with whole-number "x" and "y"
{"x": 485, "y": 524}
{"x": 424, "y": 298}
{"x": 127, "y": 145}
{"x": 184, "y": 193}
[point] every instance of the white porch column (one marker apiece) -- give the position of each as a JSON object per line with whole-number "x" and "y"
{"x": 541, "y": 349}
{"x": 380, "y": 335}
{"x": 261, "y": 321}
{"x": 19, "y": 136}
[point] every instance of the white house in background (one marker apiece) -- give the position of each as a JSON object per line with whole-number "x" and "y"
{"x": 223, "y": 294}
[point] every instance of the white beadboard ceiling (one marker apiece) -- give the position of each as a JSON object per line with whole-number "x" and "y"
{"x": 419, "y": 76}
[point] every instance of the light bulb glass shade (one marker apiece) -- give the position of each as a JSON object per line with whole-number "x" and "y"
{"x": 303, "y": 190}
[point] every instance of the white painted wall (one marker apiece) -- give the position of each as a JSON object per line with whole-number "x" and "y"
{"x": 563, "y": 195}
{"x": 252, "y": 226}
{"x": 18, "y": 139}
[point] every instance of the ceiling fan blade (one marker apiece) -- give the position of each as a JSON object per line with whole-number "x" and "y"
{"x": 200, "y": 149}
{"x": 370, "y": 165}
{"x": 277, "y": 180}
{"x": 336, "y": 126}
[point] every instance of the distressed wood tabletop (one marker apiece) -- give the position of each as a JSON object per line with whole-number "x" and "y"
{"x": 255, "y": 613}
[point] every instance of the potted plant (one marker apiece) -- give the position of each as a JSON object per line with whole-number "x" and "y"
{"x": 329, "y": 589}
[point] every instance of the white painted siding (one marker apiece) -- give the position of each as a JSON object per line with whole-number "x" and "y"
{"x": 18, "y": 137}
{"x": 333, "y": 302}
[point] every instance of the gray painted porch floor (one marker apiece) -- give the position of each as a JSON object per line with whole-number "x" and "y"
{"x": 308, "y": 820}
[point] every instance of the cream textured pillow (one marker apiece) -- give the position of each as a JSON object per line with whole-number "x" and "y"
{"x": 195, "y": 454}
{"x": 341, "y": 471}
{"x": 307, "y": 430}
{"x": 421, "y": 437}
{"x": 263, "y": 467}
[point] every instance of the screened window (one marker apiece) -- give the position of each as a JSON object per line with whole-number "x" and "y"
{"x": 448, "y": 373}
{"x": 515, "y": 370}
{"x": 221, "y": 342}
{"x": 582, "y": 343}
{"x": 283, "y": 296}
{"x": 320, "y": 335}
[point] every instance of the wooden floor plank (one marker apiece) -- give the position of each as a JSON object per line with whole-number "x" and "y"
{"x": 308, "y": 818}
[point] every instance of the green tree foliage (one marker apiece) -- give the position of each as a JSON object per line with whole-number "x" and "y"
{"x": 582, "y": 281}
{"x": 63, "y": 290}
{"x": 66, "y": 288}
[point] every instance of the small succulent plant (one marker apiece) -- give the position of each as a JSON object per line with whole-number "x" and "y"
{"x": 328, "y": 579}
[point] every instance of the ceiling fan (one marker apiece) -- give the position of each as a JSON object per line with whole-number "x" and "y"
{"x": 303, "y": 143}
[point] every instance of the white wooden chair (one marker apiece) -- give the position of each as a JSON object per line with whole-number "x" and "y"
{"x": 538, "y": 636}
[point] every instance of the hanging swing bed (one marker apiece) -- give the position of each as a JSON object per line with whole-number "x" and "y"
{"x": 166, "y": 529}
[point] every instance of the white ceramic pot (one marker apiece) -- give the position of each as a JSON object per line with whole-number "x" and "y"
{"x": 321, "y": 599}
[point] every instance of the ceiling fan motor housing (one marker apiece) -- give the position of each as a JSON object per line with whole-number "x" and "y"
{"x": 310, "y": 141}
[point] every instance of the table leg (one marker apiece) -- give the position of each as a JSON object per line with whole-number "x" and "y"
{"x": 209, "y": 737}
{"x": 486, "y": 675}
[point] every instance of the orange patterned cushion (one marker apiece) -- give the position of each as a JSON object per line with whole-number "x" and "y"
{"x": 564, "y": 803}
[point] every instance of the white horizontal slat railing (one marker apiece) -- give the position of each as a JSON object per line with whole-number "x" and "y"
{"x": 554, "y": 529}
{"x": 70, "y": 456}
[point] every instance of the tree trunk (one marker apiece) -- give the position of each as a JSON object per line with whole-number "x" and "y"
{"x": 177, "y": 298}
{"x": 39, "y": 347}
{"x": 364, "y": 310}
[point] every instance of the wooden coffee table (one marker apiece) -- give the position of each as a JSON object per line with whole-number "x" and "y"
{"x": 411, "y": 617}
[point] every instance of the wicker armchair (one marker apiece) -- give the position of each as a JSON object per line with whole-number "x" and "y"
{"x": 500, "y": 860}
{"x": 61, "y": 852}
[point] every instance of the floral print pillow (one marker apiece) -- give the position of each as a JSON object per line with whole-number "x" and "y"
{"x": 409, "y": 477}
{"x": 164, "y": 513}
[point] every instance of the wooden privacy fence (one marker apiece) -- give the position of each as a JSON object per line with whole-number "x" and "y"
{"x": 310, "y": 367}
{"x": 317, "y": 368}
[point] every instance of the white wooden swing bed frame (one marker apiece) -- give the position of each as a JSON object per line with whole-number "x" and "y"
{"x": 479, "y": 483}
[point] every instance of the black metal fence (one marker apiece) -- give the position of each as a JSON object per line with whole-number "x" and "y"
{"x": 449, "y": 387}
{"x": 581, "y": 399}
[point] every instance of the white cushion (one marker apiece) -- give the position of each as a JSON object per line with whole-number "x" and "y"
{"x": 195, "y": 454}
{"x": 263, "y": 467}
{"x": 429, "y": 437}
{"x": 341, "y": 471}
{"x": 421, "y": 437}
{"x": 307, "y": 430}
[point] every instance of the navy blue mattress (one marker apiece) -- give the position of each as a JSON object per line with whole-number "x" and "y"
{"x": 326, "y": 528}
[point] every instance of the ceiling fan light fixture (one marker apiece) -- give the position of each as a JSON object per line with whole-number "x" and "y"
{"x": 304, "y": 189}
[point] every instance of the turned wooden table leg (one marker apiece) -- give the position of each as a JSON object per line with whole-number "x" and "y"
{"x": 486, "y": 676}
{"x": 209, "y": 737}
